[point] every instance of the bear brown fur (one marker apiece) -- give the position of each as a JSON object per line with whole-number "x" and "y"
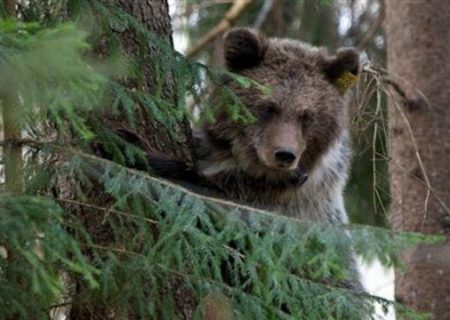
{"x": 294, "y": 159}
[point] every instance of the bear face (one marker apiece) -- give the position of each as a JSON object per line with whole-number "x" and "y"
{"x": 301, "y": 117}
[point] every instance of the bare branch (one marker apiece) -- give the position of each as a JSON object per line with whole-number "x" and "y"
{"x": 403, "y": 100}
{"x": 227, "y": 22}
{"x": 190, "y": 8}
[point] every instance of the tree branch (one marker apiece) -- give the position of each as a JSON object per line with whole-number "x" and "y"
{"x": 227, "y": 22}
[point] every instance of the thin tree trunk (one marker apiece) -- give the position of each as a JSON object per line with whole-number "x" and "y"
{"x": 418, "y": 48}
{"x": 12, "y": 152}
{"x": 12, "y": 128}
{"x": 12, "y": 131}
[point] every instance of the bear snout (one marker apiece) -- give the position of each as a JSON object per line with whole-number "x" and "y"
{"x": 285, "y": 157}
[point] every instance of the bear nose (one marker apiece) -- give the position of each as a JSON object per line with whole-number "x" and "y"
{"x": 285, "y": 157}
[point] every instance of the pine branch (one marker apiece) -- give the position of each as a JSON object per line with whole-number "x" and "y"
{"x": 216, "y": 205}
{"x": 223, "y": 207}
{"x": 64, "y": 150}
{"x": 236, "y": 291}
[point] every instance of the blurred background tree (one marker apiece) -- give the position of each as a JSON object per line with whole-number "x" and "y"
{"x": 419, "y": 147}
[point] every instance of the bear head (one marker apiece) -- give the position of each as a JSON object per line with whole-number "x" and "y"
{"x": 301, "y": 117}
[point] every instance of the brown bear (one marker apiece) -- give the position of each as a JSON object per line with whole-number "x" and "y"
{"x": 294, "y": 159}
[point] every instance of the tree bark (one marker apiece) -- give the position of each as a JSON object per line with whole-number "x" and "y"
{"x": 147, "y": 134}
{"x": 418, "y": 48}
{"x": 155, "y": 16}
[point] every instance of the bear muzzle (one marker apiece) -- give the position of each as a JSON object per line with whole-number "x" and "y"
{"x": 285, "y": 157}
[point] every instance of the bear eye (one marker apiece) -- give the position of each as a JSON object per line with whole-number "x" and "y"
{"x": 305, "y": 119}
{"x": 267, "y": 110}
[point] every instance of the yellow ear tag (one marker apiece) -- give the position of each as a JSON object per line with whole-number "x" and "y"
{"x": 346, "y": 80}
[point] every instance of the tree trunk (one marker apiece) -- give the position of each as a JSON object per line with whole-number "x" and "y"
{"x": 418, "y": 48}
{"x": 155, "y": 16}
{"x": 147, "y": 134}
{"x": 12, "y": 127}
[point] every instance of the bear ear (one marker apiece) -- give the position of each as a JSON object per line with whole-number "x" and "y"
{"x": 243, "y": 48}
{"x": 343, "y": 68}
